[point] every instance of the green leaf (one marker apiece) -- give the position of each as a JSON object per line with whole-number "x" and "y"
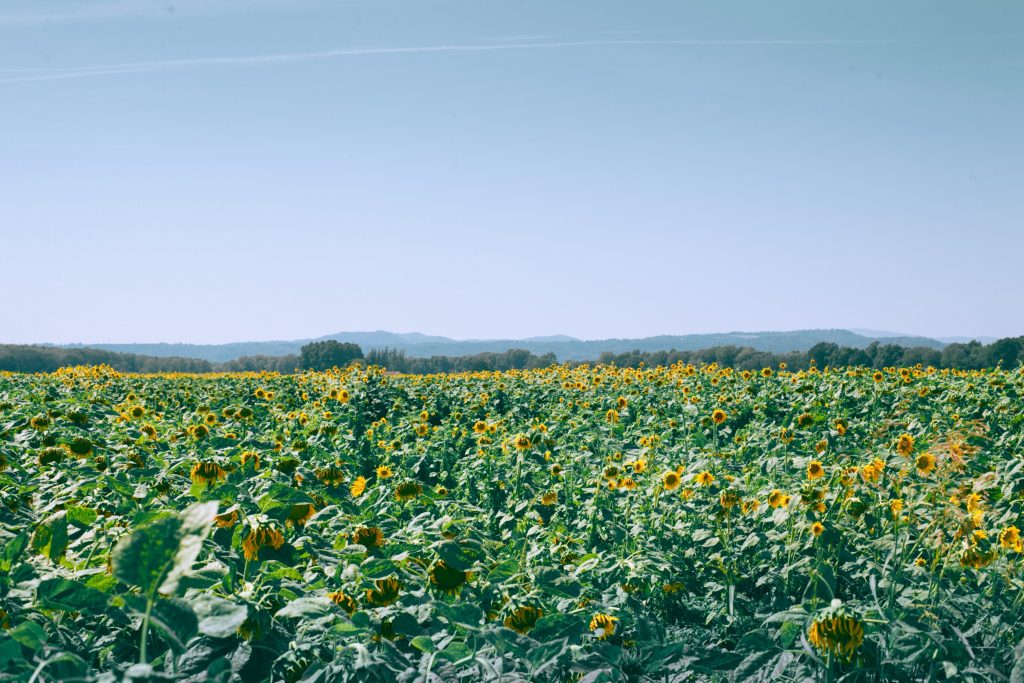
{"x": 305, "y": 608}
{"x": 29, "y": 633}
{"x": 459, "y": 556}
{"x": 175, "y": 619}
{"x": 377, "y": 568}
{"x": 51, "y": 537}
{"x": 219, "y": 618}
{"x": 70, "y": 596}
{"x": 503, "y": 571}
{"x": 12, "y": 550}
{"x": 83, "y": 518}
{"x": 156, "y": 556}
{"x": 1017, "y": 673}
{"x": 10, "y": 651}
{"x": 423, "y": 643}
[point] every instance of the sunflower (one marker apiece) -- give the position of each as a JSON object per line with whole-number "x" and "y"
{"x": 358, "y": 486}
{"x": 331, "y": 476}
{"x": 905, "y": 444}
{"x": 149, "y": 430}
{"x": 705, "y": 478}
{"x": 815, "y": 470}
{"x": 523, "y": 619}
{"x": 1009, "y": 538}
{"x": 670, "y": 480}
{"x": 408, "y": 490}
{"x": 549, "y": 498}
{"x": 226, "y": 519}
{"x": 836, "y": 633}
{"x": 878, "y": 376}
{"x": 384, "y": 472}
{"x": 718, "y": 416}
{"x": 198, "y": 432}
{"x": 556, "y": 470}
{"x": 422, "y": 429}
{"x": 251, "y": 457}
{"x": 872, "y": 471}
{"x": 817, "y": 529}
{"x": 603, "y": 625}
{"x": 300, "y": 513}
{"x": 137, "y": 411}
{"x": 50, "y": 455}
{"x": 40, "y": 422}
{"x": 976, "y": 558}
{"x": 207, "y": 472}
{"x": 640, "y": 466}
{"x": 612, "y": 416}
{"x": 522, "y": 442}
{"x": 447, "y": 578}
{"x": 259, "y": 538}
{"x": 344, "y": 600}
{"x": 925, "y": 463}
{"x": 369, "y": 537}
{"x": 384, "y": 593}
{"x": 479, "y": 427}
{"x": 627, "y": 483}
{"x": 622, "y": 402}
{"x": 777, "y": 499}
{"x": 81, "y": 447}
{"x": 766, "y": 372}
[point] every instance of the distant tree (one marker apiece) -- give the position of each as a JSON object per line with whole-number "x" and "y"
{"x": 328, "y": 354}
{"x": 1006, "y": 352}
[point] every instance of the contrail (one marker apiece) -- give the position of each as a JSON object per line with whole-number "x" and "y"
{"x": 29, "y": 75}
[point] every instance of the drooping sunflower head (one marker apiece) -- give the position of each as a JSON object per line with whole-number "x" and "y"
{"x": 80, "y": 446}
{"x": 523, "y": 618}
{"x": 368, "y": 536}
{"x": 207, "y": 472}
{"x": 344, "y": 600}
{"x": 447, "y": 578}
{"x": 611, "y": 416}
{"x": 39, "y": 422}
{"x": 1009, "y": 538}
{"x": 837, "y": 632}
{"x": 331, "y": 476}
{"x": 705, "y": 478}
{"x": 408, "y": 490}
{"x": 603, "y": 625}
{"x": 905, "y": 444}
{"x": 384, "y": 592}
{"x": 260, "y": 537}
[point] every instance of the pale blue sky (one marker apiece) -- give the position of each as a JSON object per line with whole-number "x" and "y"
{"x": 215, "y": 170}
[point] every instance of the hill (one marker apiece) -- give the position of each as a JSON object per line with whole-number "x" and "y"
{"x": 565, "y": 348}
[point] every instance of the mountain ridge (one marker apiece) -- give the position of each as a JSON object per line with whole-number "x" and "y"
{"x": 564, "y": 347}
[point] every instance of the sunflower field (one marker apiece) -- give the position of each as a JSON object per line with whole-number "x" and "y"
{"x": 566, "y": 524}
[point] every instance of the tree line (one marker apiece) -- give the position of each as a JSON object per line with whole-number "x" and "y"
{"x": 1005, "y": 353}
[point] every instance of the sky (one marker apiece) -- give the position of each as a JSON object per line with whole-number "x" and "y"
{"x": 210, "y": 171}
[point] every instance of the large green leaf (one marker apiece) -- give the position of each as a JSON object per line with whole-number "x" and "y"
{"x": 219, "y": 618}
{"x": 69, "y": 596}
{"x": 156, "y": 556}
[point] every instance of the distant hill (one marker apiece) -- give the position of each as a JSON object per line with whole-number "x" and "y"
{"x": 565, "y": 348}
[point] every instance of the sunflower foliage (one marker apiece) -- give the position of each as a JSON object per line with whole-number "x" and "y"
{"x": 565, "y": 524}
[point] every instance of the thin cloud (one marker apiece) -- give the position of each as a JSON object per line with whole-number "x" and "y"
{"x": 29, "y": 75}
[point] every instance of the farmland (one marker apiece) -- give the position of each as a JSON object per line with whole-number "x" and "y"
{"x": 563, "y": 524}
